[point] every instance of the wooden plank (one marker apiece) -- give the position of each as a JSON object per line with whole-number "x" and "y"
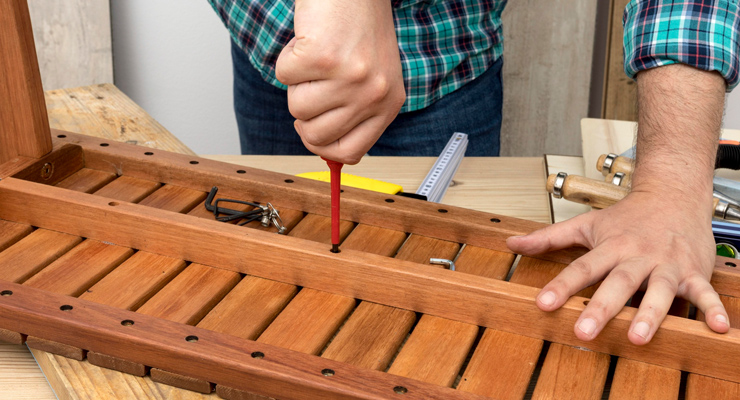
{"x": 174, "y": 198}
{"x": 620, "y": 92}
{"x": 32, "y": 253}
{"x": 11, "y": 233}
{"x": 55, "y": 166}
{"x": 392, "y": 282}
{"x": 484, "y": 262}
{"x": 129, "y": 189}
{"x": 87, "y": 180}
{"x": 24, "y": 130}
{"x": 20, "y": 377}
{"x": 215, "y": 357}
{"x": 67, "y": 32}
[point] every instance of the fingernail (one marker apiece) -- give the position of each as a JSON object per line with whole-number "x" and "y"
{"x": 297, "y": 127}
{"x": 721, "y": 319}
{"x": 547, "y": 299}
{"x": 641, "y": 329}
{"x": 587, "y": 326}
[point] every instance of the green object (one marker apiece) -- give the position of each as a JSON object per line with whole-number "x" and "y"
{"x": 726, "y": 250}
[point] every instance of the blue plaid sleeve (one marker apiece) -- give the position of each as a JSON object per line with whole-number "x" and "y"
{"x": 700, "y": 33}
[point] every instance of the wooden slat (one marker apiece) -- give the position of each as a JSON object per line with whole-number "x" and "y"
{"x": 11, "y": 232}
{"x": 484, "y": 262}
{"x": 129, "y": 189}
{"x": 87, "y": 180}
{"x": 215, "y": 357}
{"x": 24, "y": 128}
{"x": 174, "y": 198}
{"x": 398, "y": 283}
{"x": 32, "y": 253}
{"x": 54, "y": 167}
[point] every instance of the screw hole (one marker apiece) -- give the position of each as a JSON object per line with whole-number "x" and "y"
{"x": 241, "y": 171}
{"x": 585, "y": 302}
{"x": 288, "y": 181}
{"x": 192, "y": 338}
{"x": 731, "y": 264}
{"x": 148, "y": 153}
{"x": 327, "y": 372}
{"x": 61, "y": 136}
{"x": 127, "y": 322}
{"x": 258, "y": 354}
{"x": 400, "y": 390}
{"x": 442, "y": 210}
{"x": 194, "y": 162}
{"x": 113, "y": 203}
{"x": 6, "y": 293}
{"x": 104, "y": 145}
{"x": 495, "y": 220}
{"x": 66, "y": 307}
{"x": 390, "y": 201}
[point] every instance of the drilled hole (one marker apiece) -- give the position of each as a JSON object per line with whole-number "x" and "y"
{"x": 258, "y": 354}
{"x": 6, "y": 293}
{"x": 148, "y": 153}
{"x": 585, "y": 302}
{"x": 127, "y": 322}
{"x": 390, "y": 201}
{"x": 341, "y": 190}
{"x": 113, "y": 203}
{"x": 192, "y": 338}
{"x": 442, "y": 210}
{"x": 288, "y": 181}
{"x": 61, "y": 136}
{"x": 731, "y": 264}
{"x": 66, "y": 307}
{"x": 495, "y": 220}
{"x": 241, "y": 171}
{"x": 194, "y": 162}
{"x": 400, "y": 390}
{"x": 327, "y": 372}
{"x": 104, "y": 145}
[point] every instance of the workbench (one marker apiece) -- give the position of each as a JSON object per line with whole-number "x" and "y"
{"x": 507, "y": 186}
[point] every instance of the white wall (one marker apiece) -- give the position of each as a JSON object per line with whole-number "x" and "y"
{"x": 173, "y": 58}
{"x": 732, "y": 110}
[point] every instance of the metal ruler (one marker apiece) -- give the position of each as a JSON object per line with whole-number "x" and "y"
{"x": 440, "y": 176}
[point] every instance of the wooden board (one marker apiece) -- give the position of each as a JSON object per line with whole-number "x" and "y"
{"x": 620, "y": 92}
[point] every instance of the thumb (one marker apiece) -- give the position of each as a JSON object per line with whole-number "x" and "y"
{"x": 553, "y": 237}
{"x": 288, "y": 65}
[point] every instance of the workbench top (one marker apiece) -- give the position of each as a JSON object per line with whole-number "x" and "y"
{"x": 507, "y": 186}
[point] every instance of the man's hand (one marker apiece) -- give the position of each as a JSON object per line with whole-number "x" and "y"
{"x": 344, "y": 77}
{"x": 660, "y": 234}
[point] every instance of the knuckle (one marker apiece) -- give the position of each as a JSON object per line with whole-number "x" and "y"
{"x": 324, "y": 61}
{"x": 311, "y": 137}
{"x": 626, "y": 277}
{"x": 297, "y": 109}
{"x": 598, "y": 310}
{"x": 378, "y": 89}
{"x": 663, "y": 280}
{"x": 581, "y": 267}
{"x": 358, "y": 71}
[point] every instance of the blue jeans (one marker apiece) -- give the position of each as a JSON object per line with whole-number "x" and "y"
{"x": 266, "y": 126}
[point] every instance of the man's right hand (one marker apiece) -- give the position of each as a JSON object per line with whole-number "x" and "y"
{"x": 344, "y": 76}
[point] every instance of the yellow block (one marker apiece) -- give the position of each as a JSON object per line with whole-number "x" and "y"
{"x": 356, "y": 182}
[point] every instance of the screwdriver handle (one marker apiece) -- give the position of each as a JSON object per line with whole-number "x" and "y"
{"x": 579, "y": 189}
{"x": 612, "y": 163}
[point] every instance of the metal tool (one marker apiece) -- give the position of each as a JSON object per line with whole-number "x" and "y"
{"x": 443, "y": 261}
{"x": 335, "y": 169}
{"x": 438, "y": 179}
{"x": 266, "y": 214}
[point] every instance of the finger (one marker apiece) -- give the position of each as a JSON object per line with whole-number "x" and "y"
{"x": 329, "y": 126}
{"x": 309, "y": 99}
{"x": 350, "y": 148}
{"x": 700, "y": 293}
{"x": 661, "y": 291}
{"x": 553, "y": 237}
{"x": 291, "y": 67}
{"x": 584, "y": 271}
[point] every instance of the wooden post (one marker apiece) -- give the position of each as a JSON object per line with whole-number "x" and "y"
{"x": 24, "y": 125}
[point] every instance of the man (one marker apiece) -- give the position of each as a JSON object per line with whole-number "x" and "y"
{"x": 345, "y": 65}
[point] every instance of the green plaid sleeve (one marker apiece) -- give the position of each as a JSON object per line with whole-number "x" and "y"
{"x": 700, "y": 33}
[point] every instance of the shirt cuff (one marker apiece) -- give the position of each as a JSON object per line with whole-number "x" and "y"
{"x": 699, "y": 33}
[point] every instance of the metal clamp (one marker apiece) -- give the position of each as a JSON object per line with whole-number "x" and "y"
{"x": 608, "y": 162}
{"x": 557, "y": 187}
{"x": 443, "y": 261}
{"x": 618, "y": 178}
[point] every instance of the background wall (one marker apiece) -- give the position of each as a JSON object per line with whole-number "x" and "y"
{"x": 173, "y": 58}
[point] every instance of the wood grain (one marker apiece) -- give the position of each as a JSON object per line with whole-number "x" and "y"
{"x": 129, "y": 189}
{"x": 11, "y": 232}
{"x": 620, "y": 92}
{"x": 34, "y": 252}
{"x": 55, "y": 166}
{"x": 571, "y": 373}
{"x": 24, "y": 128}
{"x": 87, "y": 180}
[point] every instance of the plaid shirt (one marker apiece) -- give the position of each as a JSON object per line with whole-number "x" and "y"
{"x": 445, "y": 44}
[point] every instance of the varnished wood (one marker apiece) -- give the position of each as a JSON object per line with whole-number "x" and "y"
{"x": 576, "y": 374}
{"x": 595, "y": 193}
{"x": 11, "y": 232}
{"x": 54, "y": 167}
{"x": 24, "y": 129}
{"x": 129, "y": 189}
{"x": 87, "y": 180}
{"x": 32, "y": 253}
{"x": 637, "y": 380}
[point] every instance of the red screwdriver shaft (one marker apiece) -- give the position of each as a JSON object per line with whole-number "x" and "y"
{"x": 336, "y": 183}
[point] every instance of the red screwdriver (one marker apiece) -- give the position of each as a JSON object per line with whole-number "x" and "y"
{"x": 336, "y": 181}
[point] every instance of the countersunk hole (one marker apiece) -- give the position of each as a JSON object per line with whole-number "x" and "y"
{"x": 241, "y": 171}
{"x": 61, "y": 136}
{"x": 327, "y": 372}
{"x": 127, "y": 322}
{"x": 6, "y": 293}
{"x": 341, "y": 190}
{"x": 585, "y": 302}
{"x": 495, "y": 220}
{"x": 390, "y": 201}
{"x": 258, "y": 354}
{"x": 194, "y": 162}
{"x": 288, "y": 181}
{"x": 148, "y": 153}
{"x": 192, "y": 338}
{"x": 104, "y": 145}
{"x": 400, "y": 389}
{"x": 731, "y": 264}
{"x": 442, "y": 210}
{"x": 113, "y": 203}
{"x": 66, "y": 307}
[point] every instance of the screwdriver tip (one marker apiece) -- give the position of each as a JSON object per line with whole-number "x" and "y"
{"x": 335, "y": 248}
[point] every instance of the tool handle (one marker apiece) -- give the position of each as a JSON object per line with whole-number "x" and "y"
{"x": 728, "y": 156}
{"x": 596, "y": 194}
{"x": 619, "y": 164}
{"x": 619, "y": 179}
